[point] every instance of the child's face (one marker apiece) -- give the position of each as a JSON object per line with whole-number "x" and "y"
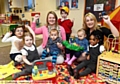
{"x": 93, "y": 41}
{"x": 81, "y": 35}
{"x": 28, "y": 41}
{"x": 53, "y": 35}
{"x": 19, "y": 32}
{"x": 63, "y": 14}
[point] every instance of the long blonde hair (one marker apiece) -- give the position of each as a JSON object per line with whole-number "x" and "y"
{"x": 92, "y": 16}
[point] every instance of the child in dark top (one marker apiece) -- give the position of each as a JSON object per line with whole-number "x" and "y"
{"x": 29, "y": 55}
{"x": 95, "y": 49}
{"x": 52, "y": 46}
{"x": 79, "y": 41}
{"x": 65, "y": 22}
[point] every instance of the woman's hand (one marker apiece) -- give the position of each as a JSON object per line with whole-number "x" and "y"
{"x": 106, "y": 19}
{"x": 36, "y": 17}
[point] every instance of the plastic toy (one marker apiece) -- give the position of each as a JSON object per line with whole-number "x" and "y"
{"x": 7, "y": 70}
{"x": 43, "y": 69}
{"x": 72, "y": 46}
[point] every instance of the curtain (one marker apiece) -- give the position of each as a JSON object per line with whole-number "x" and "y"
{"x": 2, "y": 6}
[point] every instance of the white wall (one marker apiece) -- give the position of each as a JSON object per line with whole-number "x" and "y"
{"x": 45, "y": 6}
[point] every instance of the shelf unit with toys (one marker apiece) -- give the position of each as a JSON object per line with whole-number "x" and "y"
{"x": 108, "y": 67}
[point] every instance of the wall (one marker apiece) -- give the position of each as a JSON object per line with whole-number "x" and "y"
{"x": 44, "y": 7}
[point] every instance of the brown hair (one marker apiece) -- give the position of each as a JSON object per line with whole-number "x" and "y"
{"x": 92, "y": 16}
{"x": 23, "y": 27}
{"x": 81, "y": 30}
{"x": 27, "y": 34}
{"x": 56, "y": 18}
{"x": 54, "y": 30}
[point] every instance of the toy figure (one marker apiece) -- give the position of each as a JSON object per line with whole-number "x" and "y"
{"x": 35, "y": 70}
{"x": 72, "y": 39}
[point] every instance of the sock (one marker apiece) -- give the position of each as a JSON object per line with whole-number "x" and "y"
{"x": 71, "y": 60}
{"x": 54, "y": 57}
{"x": 67, "y": 57}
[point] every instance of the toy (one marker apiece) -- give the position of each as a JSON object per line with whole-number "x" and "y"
{"x": 7, "y": 70}
{"x": 43, "y": 69}
{"x": 72, "y": 46}
{"x": 72, "y": 39}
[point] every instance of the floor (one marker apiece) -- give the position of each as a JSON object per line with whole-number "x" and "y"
{"x": 5, "y": 49}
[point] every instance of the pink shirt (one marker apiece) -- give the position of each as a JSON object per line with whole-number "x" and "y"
{"x": 44, "y": 31}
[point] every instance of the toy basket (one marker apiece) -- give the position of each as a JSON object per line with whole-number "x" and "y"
{"x": 112, "y": 43}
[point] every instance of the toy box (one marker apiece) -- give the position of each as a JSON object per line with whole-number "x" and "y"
{"x": 108, "y": 67}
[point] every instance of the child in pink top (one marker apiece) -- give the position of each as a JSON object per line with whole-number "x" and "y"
{"x": 52, "y": 23}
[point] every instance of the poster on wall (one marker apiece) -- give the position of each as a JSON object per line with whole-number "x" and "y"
{"x": 72, "y": 4}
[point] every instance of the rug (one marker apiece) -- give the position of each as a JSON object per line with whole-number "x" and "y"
{"x": 63, "y": 77}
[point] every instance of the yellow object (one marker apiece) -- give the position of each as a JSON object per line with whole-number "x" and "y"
{"x": 65, "y": 8}
{"x": 7, "y": 70}
{"x": 43, "y": 75}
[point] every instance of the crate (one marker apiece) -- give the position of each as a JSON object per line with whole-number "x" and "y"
{"x": 108, "y": 67}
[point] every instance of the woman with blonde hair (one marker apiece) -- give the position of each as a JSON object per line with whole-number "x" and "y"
{"x": 90, "y": 25}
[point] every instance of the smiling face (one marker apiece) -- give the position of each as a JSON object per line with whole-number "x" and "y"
{"x": 52, "y": 18}
{"x": 93, "y": 40}
{"x": 19, "y": 32}
{"x": 90, "y": 22}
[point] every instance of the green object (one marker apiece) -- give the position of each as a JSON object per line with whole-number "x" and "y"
{"x": 12, "y": 27}
{"x": 72, "y": 47}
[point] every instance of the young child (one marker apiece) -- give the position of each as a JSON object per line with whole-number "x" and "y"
{"x": 29, "y": 55}
{"x": 52, "y": 46}
{"x": 90, "y": 64}
{"x": 15, "y": 37}
{"x": 65, "y": 22}
{"x": 79, "y": 41}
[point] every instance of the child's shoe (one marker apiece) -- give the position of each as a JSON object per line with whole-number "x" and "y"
{"x": 76, "y": 74}
{"x": 70, "y": 70}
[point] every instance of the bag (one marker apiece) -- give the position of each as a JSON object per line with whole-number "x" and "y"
{"x": 112, "y": 44}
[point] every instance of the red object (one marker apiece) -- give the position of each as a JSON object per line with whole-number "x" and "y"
{"x": 39, "y": 63}
{"x": 50, "y": 66}
{"x": 33, "y": 14}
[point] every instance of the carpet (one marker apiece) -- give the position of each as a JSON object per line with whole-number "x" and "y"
{"x": 63, "y": 77}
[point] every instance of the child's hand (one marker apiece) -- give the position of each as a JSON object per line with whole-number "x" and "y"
{"x": 36, "y": 17}
{"x": 84, "y": 54}
{"x": 48, "y": 50}
{"x": 88, "y": 57}
{"x": 31, "y": 64}
{"x": 59, "y": 45}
